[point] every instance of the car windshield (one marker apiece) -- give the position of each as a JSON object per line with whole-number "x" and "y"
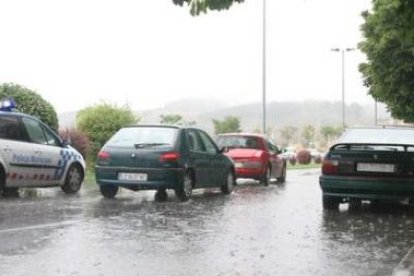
{"x": 378, "y": 136}
{"x": 237, "y": 142}
{"x": 144, "y": 137}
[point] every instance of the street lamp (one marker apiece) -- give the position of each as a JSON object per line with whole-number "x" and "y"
{"x": 264, "y": 69}
{"x": 343, "y": 50}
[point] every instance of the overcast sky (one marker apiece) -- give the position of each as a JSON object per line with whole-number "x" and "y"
{"x": 147, "y": 53}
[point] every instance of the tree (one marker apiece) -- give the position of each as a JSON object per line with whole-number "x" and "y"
{"x": 30, "y": 102}
{"x": 201, "y": 6}
{"x": 389, "y": 47}
{"x": 229, "y": 124}
{"x": 287, "y": 133}
{"x": 308, "y": 133}
{"x": 330, "y": 133}
{"x": 171, "y": 119}
{"x": 177, "y": 119}
{"x": 100, "y": 122}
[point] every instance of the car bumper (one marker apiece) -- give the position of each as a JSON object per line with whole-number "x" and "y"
{"x": 156, "y": 178}
{"x": 367, "y": 187}
{"x": 249, "y": 172}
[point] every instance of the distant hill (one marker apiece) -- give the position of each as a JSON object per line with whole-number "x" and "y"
{"x": 317, "y": 113}
{"x": 279, "y": 114}
{"x": 189, "y": 108}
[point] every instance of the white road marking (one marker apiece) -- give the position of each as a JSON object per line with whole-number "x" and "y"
{"x": 41, "y": 226}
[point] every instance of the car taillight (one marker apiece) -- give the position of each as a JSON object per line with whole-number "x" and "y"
{"x": 330, "y": 166}
{"x": 103, "y": 155}
{"x": 258, "y": 154}
{"x": 169, "y": 157}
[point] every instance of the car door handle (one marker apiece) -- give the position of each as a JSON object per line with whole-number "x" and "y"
{"x": 37, "y": 151}
{"x": 7, "y": 148}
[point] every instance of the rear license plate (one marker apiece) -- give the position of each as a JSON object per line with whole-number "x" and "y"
{"x": 375, "y": 167}
{"x": 238, "y": 164}
{"x": 133, "y": 176}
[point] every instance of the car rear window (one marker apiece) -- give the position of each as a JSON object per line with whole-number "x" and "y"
{"x": 378, "y": 136}
{"x": 237, "y": 142}
{"x": 144, "y": 137}
{"x": 369, "y": 147}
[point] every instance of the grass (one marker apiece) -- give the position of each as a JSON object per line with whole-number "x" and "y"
{"x": 90, "y": 176}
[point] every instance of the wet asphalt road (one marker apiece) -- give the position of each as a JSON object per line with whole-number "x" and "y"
{"x": 257, "y": 230}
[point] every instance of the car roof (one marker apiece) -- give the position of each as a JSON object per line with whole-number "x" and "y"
{"x": 17, "y": 114}
{"x": 154, "y": 125}
{"x": 378, "y": 135}
{"x": 402, "y": 127}
{"x": 242, "y": 134}
{"x": 163, "y": 126}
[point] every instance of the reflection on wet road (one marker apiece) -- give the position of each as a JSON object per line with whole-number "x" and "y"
{"x": 257, "y": 230}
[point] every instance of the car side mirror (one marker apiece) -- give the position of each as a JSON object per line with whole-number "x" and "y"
{"x": 66, "y": 142}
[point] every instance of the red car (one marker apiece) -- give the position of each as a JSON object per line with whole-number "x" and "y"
{"x": 255, "y": 156}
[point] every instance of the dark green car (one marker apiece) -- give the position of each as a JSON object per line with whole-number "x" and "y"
{"x": 375, "y": 164}
{"x": 158, "y": 157}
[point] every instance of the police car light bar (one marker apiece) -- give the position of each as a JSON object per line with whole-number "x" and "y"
{"x": 7, "y": 105}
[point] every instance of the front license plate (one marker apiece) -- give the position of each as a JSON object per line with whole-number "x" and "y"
{"x": 375, "y": 167}
{"x": 133, "y": 176}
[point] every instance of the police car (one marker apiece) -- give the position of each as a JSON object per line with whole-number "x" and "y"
{"x": 32, "y": 155}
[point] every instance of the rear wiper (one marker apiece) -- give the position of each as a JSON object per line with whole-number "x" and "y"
{"x": 147, "y": 145}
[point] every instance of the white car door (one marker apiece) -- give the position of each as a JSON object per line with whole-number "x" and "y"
{"x": 45, "y": 157}
{"x": 58, "y": 155}
{"x": 16, "y": 153}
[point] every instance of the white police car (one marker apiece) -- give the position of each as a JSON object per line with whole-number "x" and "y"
{"x": 32, "y": 155}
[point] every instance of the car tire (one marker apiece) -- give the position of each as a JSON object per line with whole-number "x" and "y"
{"x": 73, "y": 180}
{"x": 186, "y": 188}
{"x": 330, "y": 202}
{"x": 265, "y": 180}
{"x": 282, "y": 178}
{"x": 108, "y": 191}
{"x": 355, "y": 204}
{"x": 161, "y": 195}
{"x": 228, "y": 184}
{"x": 11, "y": 192}
{"x": 2, "y": 181}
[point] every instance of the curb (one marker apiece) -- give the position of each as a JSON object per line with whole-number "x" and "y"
{"x": 406, "y": 266}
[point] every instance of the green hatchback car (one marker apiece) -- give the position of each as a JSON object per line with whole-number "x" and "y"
{"x": 160, "y": 157}
{"x": 374, "y": 164}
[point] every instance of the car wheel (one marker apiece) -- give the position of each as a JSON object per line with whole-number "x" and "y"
{"x": 282, "y": 178}
{"x": 184, "y": 192}
{"x": 161, "y": 195}
{"x": 108, "y": 191}
{"x": 355, "y": 203}
{"x": 11, "y": 192}
{"x": 266, "y": 177}
{"x": 330, "y": 202}
{"x": 2, "y": 181}
{"x": 228, "y": 184}
{"x": 73, "y": 180}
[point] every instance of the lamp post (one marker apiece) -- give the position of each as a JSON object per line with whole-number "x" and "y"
{"x": 264, "y": 70}
{"x": 343, "y": 51}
